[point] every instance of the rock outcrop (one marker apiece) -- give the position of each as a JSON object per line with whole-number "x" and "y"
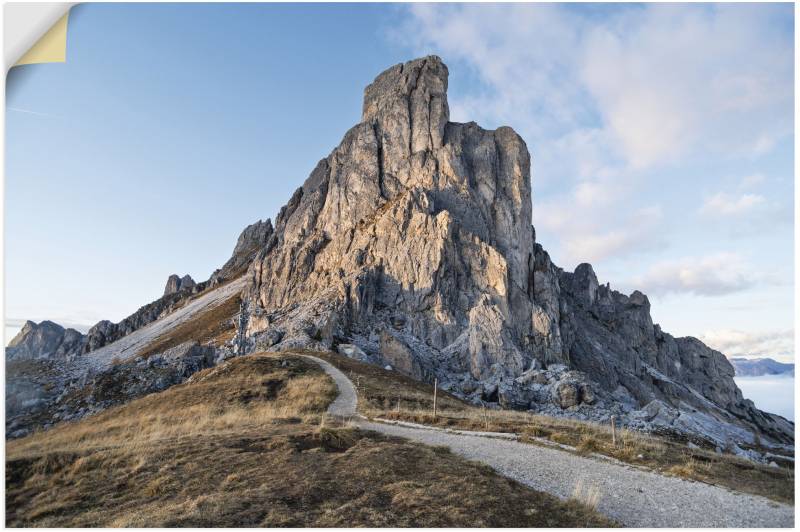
{"x": 412, "y": 245}
{"x": 175, "y": 284}
{"x": 252, "y": 240}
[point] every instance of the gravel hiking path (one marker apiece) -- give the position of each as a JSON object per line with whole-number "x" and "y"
{"x": 631, "y": 496}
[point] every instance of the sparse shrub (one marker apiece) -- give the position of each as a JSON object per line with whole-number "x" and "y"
{"x": 155, "y": 487}
{"x": 535, "y": 431}
{"x": 690, "y": 469}
{"x": 561, "y": 437}
{"x": 588, "y": 444}
{"x": 588, "y": 496}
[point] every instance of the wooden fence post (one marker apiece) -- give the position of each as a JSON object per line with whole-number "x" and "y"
{"x": 614, "y": 430}
{"x": 435, "y": 386}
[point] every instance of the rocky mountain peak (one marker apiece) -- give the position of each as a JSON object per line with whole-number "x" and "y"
{"x": 42, "y": 340}
{"x": 411, "y": 95}
{"x": 412, "y": 246}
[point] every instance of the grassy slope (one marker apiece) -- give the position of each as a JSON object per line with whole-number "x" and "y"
{"x": 243, "y": 444}
{"x": 380, "y": 391}
{"x": 213, "y": 325}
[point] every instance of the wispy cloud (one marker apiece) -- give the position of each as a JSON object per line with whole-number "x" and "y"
{"x": 752, "y": 180}
{"x": 28, "y": 111}
{"x": 711, "y": 275}
{"x": 661, "y": 81}
{"x": 724, "y": 204}
{"x": 773, "y": 344}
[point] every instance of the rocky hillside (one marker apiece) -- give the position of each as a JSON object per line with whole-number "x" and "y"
{"x": 412, "y": 246}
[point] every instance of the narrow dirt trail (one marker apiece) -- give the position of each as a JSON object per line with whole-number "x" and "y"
{"x": 631, "y": 496}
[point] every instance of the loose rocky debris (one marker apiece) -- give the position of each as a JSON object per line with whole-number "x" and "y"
{"x": 96, "y": 391}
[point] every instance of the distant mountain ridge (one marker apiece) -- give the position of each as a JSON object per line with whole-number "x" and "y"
{"x": 757, "y": 367}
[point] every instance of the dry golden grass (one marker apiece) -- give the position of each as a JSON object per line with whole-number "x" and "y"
{"x": 380, "y": 390}
{"x": 690, "y": 469}
{"x": 589, "y": 496}
{"x": 247, "y": 444}
{"x": 214, "y": 324}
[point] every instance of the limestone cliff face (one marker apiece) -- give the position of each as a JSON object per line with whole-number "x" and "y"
{"x": 412, "y": 241}
{"x": 414, "y": 234}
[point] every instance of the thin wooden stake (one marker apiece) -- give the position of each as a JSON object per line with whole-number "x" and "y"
{"x": 435, "y": 385}
{"x": 485, "y": 418}
{"x": 614, "y": 430}
{"x": 398, "y": 406}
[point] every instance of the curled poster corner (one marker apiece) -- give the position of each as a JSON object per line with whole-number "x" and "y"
{"x": 35, "y": 33}
{"x": 51, "y": 48}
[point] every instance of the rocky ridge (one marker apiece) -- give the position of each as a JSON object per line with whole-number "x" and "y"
{"x": 55, "y": 374}
{"x": 757, "y": 367}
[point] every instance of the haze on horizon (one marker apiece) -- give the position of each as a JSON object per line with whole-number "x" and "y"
{"x": 661, "y": 137}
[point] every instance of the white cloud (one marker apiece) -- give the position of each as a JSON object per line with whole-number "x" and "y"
{"x": 723, "y": 204}
{"x": 713, "y": 275}
{"x": 733, "y": 343}
{"x": 660, "y": 82}
{"x": 606, "y": 97}
{"x": 672, "y": 81}
{"x": 581, "y": 239}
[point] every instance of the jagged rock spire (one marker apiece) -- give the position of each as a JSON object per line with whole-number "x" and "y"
{"x": 416, "y": 220}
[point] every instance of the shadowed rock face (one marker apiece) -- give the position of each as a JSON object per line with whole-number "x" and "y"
{"x": 250, "y": 242}
{"x": 413, "y": 241}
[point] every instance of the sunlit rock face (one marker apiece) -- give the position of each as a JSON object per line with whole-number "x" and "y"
{"x": 414, "y": 234}
{"x": 413, "y": 241}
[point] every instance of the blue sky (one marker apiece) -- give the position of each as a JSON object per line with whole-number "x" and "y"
{"x": 661, "y": 136}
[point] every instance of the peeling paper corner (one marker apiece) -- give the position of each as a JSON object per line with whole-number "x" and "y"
{"x": 35, "y": 33}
